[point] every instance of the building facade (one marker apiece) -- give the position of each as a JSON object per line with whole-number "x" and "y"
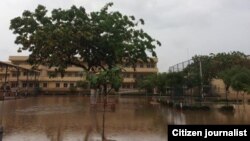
{"x": 43, "y": 79}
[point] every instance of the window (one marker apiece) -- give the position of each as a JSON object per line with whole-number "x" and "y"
{"x": 126, "y": 75}
{"x": 140, "y": 76}
{"x": 148, "y": 65}
{"x": 36, "y": 85}
{"x": 30, "y": 85}
{"x": 65, "y": 85}
{"x": 77, "y": 74}
{"x": 81, "y": 74}
{"x": 71, "y": 85}
{"x": 24, "y": 73}
{"x": 45, "y": 85}
{"x": 52, "y": 74}
{"x": 24, "y": 85}
{"x": 127, "y": 65}
{"x": 31, "y": 74}
{"x": 128, "y": 86}
{"x": 13, "y": 85}
{"x": 69, "y": 74}
{"x": 141, "y": 65}
{"x": 57, "y": 85}
{"x": 152, "y": 65}
{"x": 14, "y": 74}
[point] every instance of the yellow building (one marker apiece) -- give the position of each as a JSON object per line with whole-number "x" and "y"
{"x": 72, "y": 74}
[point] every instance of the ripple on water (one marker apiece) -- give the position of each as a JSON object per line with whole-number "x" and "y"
{"x": 44, "y": 110}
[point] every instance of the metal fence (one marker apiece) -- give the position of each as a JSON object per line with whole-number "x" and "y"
{"x": 180, "y": 66}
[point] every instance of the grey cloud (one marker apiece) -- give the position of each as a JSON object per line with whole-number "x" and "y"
{"x": 185, "y": 27}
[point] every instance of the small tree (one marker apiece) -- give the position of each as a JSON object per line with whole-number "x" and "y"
{"x": 148, "y": 83}
{"x": 226, "y": 76}
{"x": 241, "y": 81}
{"x": 162, "y": 82}
{"x": 107, "y": 80}
{"x": 83, "y": 84}
{"x": 175, "y": 81}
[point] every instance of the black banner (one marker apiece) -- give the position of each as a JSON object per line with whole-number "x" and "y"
{"x": 208, "y": 132}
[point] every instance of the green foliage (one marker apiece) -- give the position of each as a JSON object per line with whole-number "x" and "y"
{"x": 241, "y": 80}
{"x": 161, "y": 82}
{"x": 148, "y": 83}
{"x": 72, "y": 89}
{"x": 227, "y": 75}
{"x": 247, "y": 89}
{"x": 100, "y": 39}
{"x": 82, "y": 84}
{"x": 231, "y": 77}
{"x": 106, "y": 78}
{"x": 230, "y": 67}
{"x": 213, "y": 66}
{"x": 37, "y": 90}
{"x": 223, "y": 61}
{"x": 192, "y": 71}
{"x": 97, "y": 41}
{"x": 175, "y": 80}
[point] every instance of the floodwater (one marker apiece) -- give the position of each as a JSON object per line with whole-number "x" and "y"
{"x": 72, "y": 118}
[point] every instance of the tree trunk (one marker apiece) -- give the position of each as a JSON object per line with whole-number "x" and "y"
{"x": 103, "y": 119}
{"x": 243, "y": 100}
{"x": 104, "y": 110}
{"x": 192, "y": 96}
{"x": 1, "y": 132}
{"x": 227, "y": 97}
{"x": 237, "y": 97}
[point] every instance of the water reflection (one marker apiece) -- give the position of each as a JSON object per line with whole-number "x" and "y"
{"x": 71, "y": 118}
{"x": 175, "y": 116}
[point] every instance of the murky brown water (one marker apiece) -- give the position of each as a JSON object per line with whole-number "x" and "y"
{"x": 71, "y": 118}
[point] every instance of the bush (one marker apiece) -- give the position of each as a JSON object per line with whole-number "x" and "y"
{"x": 227, "y": 108}
{"x": 193, "y": 107}
{"x": 72, "y": 89}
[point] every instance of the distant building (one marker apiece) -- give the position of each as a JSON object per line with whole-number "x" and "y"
{"x": 71, "y": 76}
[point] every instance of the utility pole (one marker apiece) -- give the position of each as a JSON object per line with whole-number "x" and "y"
{"x": 201, "y": 78}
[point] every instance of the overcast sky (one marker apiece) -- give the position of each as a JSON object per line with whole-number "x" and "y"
{"x": 184, "y": 27}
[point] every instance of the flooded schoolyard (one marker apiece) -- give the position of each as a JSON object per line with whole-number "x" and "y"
{"x": 73, "y": 118}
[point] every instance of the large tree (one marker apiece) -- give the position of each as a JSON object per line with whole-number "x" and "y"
{"x": 94, "y": 41}
{"x": 212, "y": 65}
{"x": 224, "y": 61}
{"x": 97, "y": 41}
